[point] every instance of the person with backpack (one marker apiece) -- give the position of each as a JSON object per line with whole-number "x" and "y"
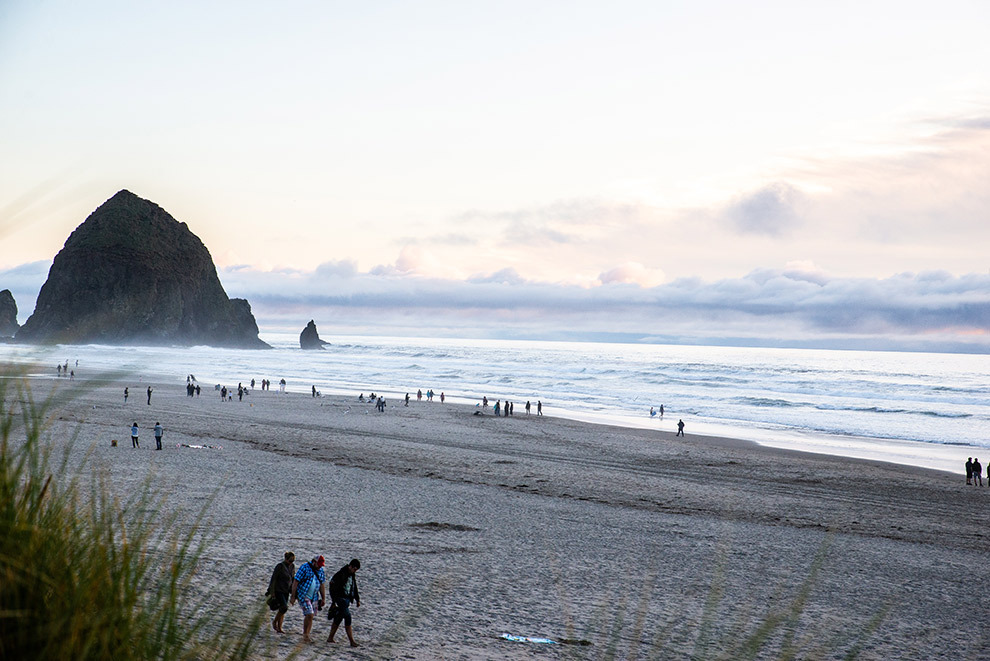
{"x": 343, "y": 591}
{"x": 308, "y": 587}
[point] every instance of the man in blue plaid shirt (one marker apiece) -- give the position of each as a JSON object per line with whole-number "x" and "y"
{"x": 309, "y": 588}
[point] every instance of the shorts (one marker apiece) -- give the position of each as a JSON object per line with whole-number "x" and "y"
{"x": 309, "y": 607}
{"x": 342, "y": 611}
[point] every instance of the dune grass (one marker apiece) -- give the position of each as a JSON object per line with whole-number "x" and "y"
{"x": 86, "y": 574}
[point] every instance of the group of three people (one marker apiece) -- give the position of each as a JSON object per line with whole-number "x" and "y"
{"x": 308, "y": 587}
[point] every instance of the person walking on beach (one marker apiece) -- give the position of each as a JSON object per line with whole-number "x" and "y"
{"x": 498, "y": 408}
{"x": 539, "y": 407}
{"x": 407, "y": 399}
{"x": 661, "y": 411}
{"x": 279, "y": 588}
{"x": 125, "y": 395}
{"x": 977, "y": 473}
{"x": 680, "y": 428}
{"x": 149, "y": 395}
{"x": 969, "y": 470}
{"x": 281, "y": 386}
{"x": 527, "y": 407}
{"x": 344, "y": 591}
{"x": 159, "y": 432}
{"x": 134, "y": 436}
{"x": 307, "y": 585}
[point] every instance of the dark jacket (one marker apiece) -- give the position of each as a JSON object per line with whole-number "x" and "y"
{"x": 338, "y": 582}
{"x": 281, "y": 582}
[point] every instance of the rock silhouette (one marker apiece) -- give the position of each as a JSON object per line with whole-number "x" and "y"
{"x": 309, "y": 339}
{"x": 8, "y": 314}
{"x": 132, "y": 274}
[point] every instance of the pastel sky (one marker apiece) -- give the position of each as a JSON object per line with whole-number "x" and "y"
{"x": 784, "y": 173}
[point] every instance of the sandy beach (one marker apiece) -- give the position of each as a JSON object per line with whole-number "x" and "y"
{"x": 470, "y": 526}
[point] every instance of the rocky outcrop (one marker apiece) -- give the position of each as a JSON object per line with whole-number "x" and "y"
{"x": 310, "y": 339}
{"x": 132, "y": 274}
{"x": 8, "y": 314}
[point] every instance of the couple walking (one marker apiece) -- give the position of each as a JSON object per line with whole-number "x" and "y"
{"x": 309, "y": 588}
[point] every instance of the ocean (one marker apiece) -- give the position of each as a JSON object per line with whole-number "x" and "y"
{"x": 921, "y": 409}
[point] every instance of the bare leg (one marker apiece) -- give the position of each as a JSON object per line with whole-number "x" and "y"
{"x": 307, "y": 626}
{"x": 333, "y": 632}
{"x": 350, "y": 635}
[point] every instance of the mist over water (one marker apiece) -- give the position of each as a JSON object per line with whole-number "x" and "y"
{"x": 914, "y": 408}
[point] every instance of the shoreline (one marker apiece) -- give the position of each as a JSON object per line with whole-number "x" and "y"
{"x": 946, "y": 457}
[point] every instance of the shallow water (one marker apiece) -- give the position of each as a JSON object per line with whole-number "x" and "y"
{"x": 921, "y": 409}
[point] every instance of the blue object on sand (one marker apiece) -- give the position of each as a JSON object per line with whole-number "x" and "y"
{"x": 529, "y": 639}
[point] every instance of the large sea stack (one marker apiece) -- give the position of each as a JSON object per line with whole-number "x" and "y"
{"x": 132, "y": 274}
{"x": 8, "y": 314}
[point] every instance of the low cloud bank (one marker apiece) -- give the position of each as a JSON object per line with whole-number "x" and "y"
{"x": 795, "y": 306}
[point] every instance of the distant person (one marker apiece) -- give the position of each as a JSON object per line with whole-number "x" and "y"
{"x": 969, "y": 470}
{"x": 280, "y": 587}
{"x": 512, "y": 409}
{"x": 652, "y": 412}
{"x": 680, "y": 428}
{"x": 252, "y": 384}
{"x": 240, "y": 393}
{"x": 134, "y": 436}
{"x": 539, "y": 407}
{"x": 125, "y": 395}
{"x": 344, "y": 591}
{"x": 527, "y": 407}
{"x": 58, "y": 369}
{"x": 419, "y": 395}
{"x": 484, "y": 402}
{"x": 442, "y": 397}
{"x": 498, "y": 408}
{"x": 661, "y": 411}
{"x": 149, "y": 395}
{"x": 159, "y": 432}
{"x": 309, "y": 589}
{"x": 407, "y": 399}
{"x": 977, "y": 473}
{"x": 281, "y": 386}
{"x": 197, "y": 390}
{"x": 72, "y": 375}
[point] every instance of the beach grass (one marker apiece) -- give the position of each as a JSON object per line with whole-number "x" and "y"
{"x": 86, "y": 574}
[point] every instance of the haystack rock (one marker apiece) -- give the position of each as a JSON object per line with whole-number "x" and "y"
{"x": 132, "y": 274}
{"x": 8, "y": 314}
{"x": 310, "y": 339}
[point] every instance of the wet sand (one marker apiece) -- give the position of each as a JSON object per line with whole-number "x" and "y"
{"x": 470, "y": 526}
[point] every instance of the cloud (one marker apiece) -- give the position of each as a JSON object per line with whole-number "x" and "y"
{"x": 632, "y": 273}
{"x": 771, "y": 210}
{"x": 798, "y": 305}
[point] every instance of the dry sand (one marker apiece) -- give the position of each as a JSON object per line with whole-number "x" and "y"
{"x": 469, "y": 526}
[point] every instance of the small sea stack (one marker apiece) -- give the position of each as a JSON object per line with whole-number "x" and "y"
{"x": 310, "y": 340}
{"x": 8, "y": 314}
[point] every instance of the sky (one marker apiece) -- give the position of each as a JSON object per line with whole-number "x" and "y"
{"x": 762, "y": 173}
